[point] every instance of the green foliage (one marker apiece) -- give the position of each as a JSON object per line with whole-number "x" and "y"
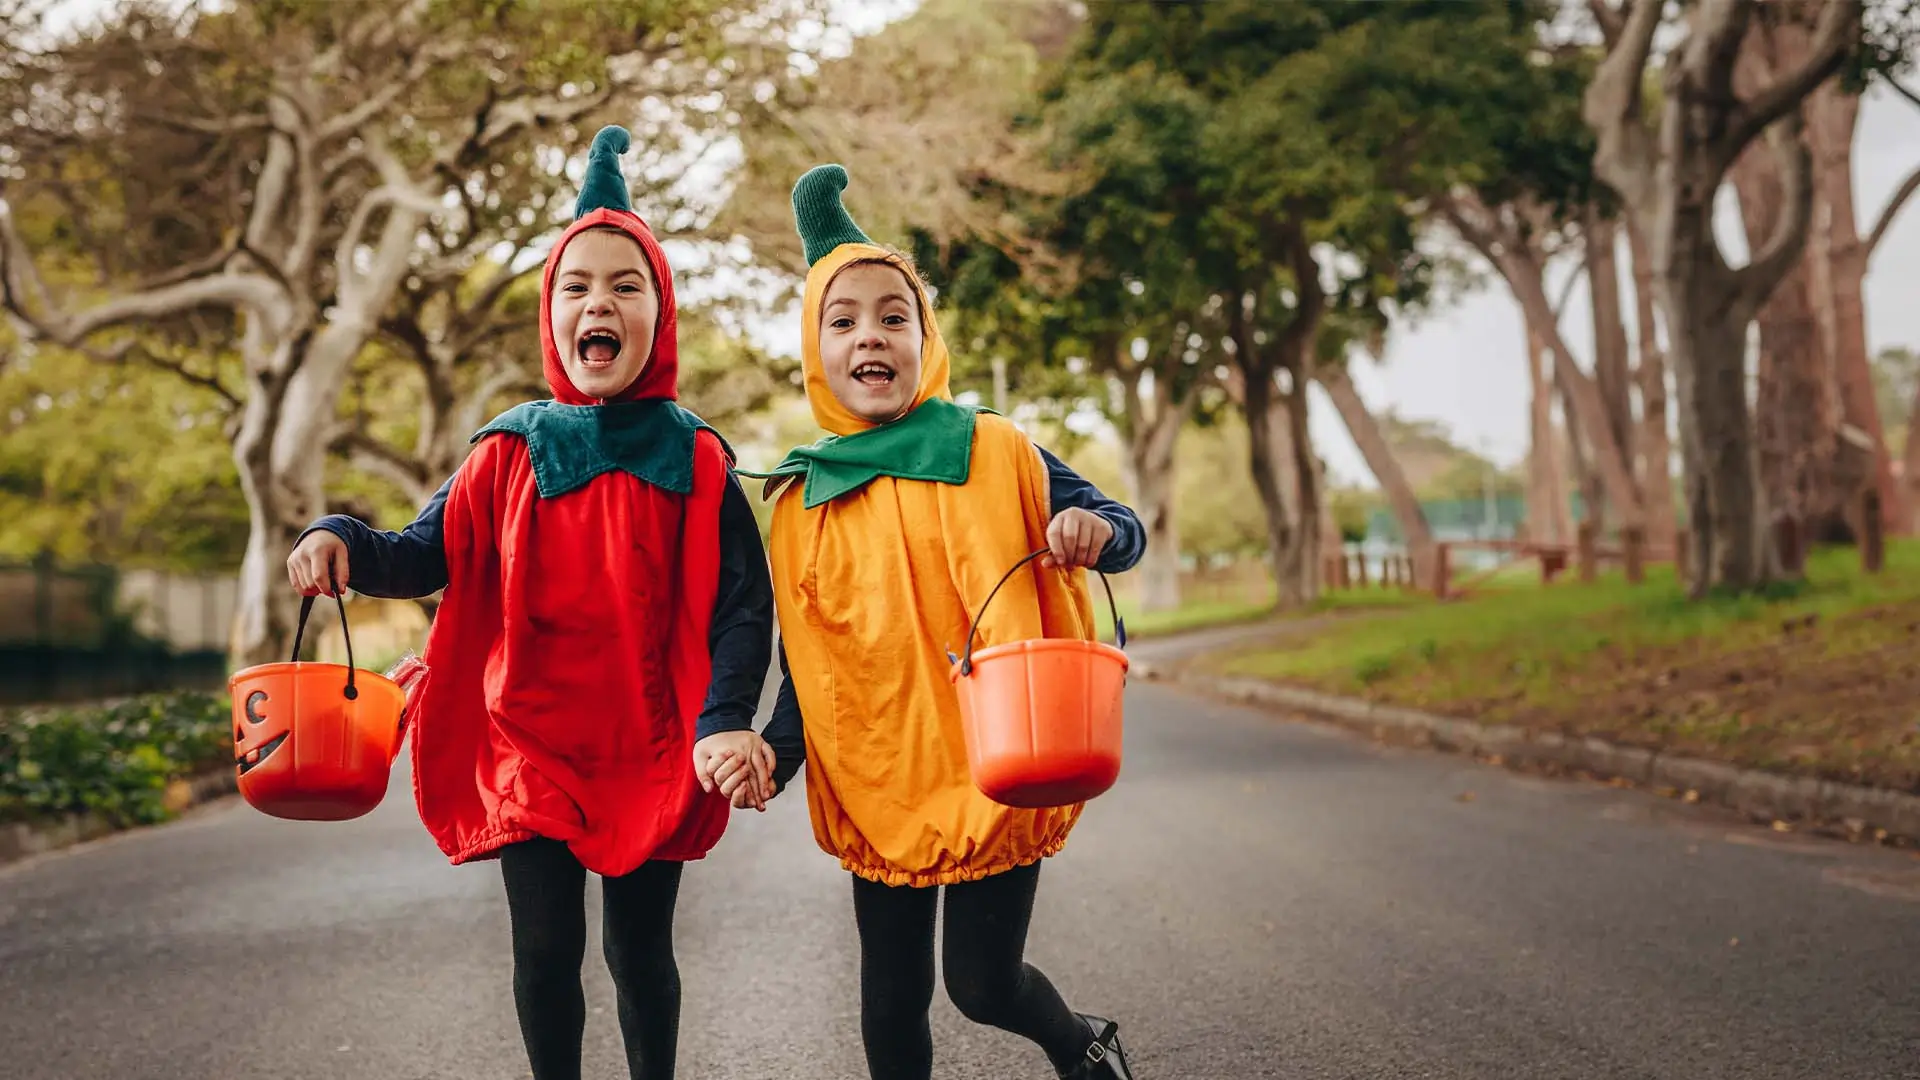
{"x": 114, "y": 761}
{"x": 1216, "y": 516}
{"x": 122, "y": 465}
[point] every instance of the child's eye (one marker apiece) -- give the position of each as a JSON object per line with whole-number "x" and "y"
{"x": 895, "y": 320}
{"x": 841, "y": 323}
{"x": 630, "y": 288}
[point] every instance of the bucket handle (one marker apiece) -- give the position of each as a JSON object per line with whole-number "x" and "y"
{"x": 1119, "y": 625}
{"x": 300, "y": 631}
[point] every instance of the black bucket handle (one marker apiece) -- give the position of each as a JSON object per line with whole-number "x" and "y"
{"x": 306, "y": 609}
{"x": 1119, "y": 625}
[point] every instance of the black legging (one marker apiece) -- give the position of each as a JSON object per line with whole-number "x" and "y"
{"x": 546, "y": 899}
{"x": 987, "y": 976}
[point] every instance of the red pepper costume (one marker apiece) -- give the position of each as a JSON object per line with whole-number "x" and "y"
{"x": 568, "y": 660}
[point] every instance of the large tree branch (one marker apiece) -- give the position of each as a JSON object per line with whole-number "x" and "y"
{"x": 435, "y": 52}
{"x": 26, "y": 297}
{"x": 1763, "y": 273}
{"x": 1612, "y": 22}
{"x": 1624, "y": 156}
{"x": 380, "y": 459}
{"x": 1834, "y": 37}
{"x": 1900, "y": 197}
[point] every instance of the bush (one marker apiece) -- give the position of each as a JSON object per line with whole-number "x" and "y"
{"x": 114, "y": 760}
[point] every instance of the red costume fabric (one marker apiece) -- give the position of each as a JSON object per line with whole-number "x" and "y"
{"x": 568, "y": 661}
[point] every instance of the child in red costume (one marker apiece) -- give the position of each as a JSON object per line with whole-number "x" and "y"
{"x": 604, "y": 636}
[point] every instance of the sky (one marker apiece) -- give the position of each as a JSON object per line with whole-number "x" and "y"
{"x": 1463, "y": 365}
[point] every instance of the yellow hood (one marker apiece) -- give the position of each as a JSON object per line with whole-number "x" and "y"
{"x": 935, "y": 367}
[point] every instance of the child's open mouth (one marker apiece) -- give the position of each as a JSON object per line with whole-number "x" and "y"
{"x": 873, "y": 373}
{"x": 598, "y": 348}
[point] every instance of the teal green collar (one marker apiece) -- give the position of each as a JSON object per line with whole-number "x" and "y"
{"x": 571, "y": 444}
{"x": 933, "y": 442}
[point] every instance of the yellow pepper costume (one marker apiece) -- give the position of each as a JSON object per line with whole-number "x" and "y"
{"x": 880, "y": 559}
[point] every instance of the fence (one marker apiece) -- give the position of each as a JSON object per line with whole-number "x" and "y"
{"x": 81, "y": 633}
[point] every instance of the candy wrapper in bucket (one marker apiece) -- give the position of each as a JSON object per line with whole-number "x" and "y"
{"x": 409, "y": 674}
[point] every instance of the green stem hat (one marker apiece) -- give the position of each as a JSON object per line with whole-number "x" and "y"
{"x": 605, "y": 186}
{"x": 823, "y": 222}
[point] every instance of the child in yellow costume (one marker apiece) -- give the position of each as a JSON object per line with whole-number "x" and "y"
{"x": 887, "y": 537}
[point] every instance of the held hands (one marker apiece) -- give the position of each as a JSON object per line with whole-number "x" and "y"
{"x": 737, "y": 764}
{"x": 319, "y": 559}
{"x": 1076, "y": 537}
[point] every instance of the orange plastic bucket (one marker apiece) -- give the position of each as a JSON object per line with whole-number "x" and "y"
{"x": 1042, "y": 718}
{"x": 314, "y": 742}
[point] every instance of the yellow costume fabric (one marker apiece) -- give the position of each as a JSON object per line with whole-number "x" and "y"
{"x": 873, "y": 588}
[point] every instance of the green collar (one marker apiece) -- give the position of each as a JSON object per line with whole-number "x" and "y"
{"x": 933, "y": 442}
{"x": 571, "y": 444}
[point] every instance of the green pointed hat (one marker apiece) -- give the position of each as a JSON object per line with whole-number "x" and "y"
{"x": 605, "y": 187}
{"x": 822, "y": 220}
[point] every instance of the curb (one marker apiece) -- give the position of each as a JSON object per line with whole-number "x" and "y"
{"x": 23, "y": 839}
{"x": 1761, "y": 795}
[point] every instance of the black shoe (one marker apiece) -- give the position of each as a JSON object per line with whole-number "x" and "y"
{"x": 1106, "y": 1059}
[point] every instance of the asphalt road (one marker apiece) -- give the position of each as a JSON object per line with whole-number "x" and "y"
{"x": 1257, "y": 898}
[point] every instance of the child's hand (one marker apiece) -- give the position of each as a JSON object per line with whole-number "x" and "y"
{"x": 738, "y": 764}
{"x": 318, "y": 564}
{"x": 1076, "y": 537}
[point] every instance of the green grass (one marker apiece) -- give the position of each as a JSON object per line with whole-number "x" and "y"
{"x": 1206, "y": 611}
{"x": 1820, "y": 676}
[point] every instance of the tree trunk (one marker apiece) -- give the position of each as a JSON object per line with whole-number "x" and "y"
{"x": 1264, "y": 459}
{"x": 1584, "y": 407}
{"x": 1153, "y": 480}
{"x": 1794, "y": 419}
{"x": 1669, "y": 180}
{"x": 1910, "y": 465}
{"x": 1301, "y": 559}
{"x": 1385, "y": 466}
{"x": 1655, "y": 465}
{"x": 1152, "y": 434}
{"x": 1709, "y": 357}
{"x": 1831, "y": 114}
{"x": 1548, "y": 515}
{"x": 1610, "y": 373}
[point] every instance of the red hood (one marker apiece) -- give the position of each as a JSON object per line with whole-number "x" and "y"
{"x": 661, "y": 377}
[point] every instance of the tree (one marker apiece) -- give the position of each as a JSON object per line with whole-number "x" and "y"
{"x": 1306, "y": 132}
{"x": 281, "y": 210}
{"x": 1668, "y": 182}
{"x": 120, "y": 466}
{"x": 1532, "y": 198}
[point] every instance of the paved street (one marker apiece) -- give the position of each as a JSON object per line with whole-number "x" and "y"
{"x": 1257, "y": 898}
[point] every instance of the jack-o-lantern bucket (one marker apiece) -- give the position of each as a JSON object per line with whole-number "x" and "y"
{"x": 1042, "y": 718}
{"x": 314, "y": 742}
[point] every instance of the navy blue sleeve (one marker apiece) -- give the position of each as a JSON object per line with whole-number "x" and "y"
{"x": 785, "y": 731}
{"x": 1068, "y": 488}
{"x": 741, "y": 638}
{"x": 400, "y": 565}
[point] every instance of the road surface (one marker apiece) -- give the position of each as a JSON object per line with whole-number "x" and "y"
{"x": 1257, "y": 898}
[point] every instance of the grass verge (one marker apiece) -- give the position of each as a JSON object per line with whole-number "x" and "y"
{"x": 1818, "y": 678}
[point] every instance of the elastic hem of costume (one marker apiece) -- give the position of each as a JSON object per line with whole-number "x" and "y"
{"x": 959, "y": 875}
{"x": 488, "y": 844}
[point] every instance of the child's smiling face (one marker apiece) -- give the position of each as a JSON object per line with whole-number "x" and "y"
{"x": 605, "y": 307}
{"x": 870, "y": 341}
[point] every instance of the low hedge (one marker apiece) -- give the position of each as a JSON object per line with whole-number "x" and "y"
{"x": 113, "y": 760}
